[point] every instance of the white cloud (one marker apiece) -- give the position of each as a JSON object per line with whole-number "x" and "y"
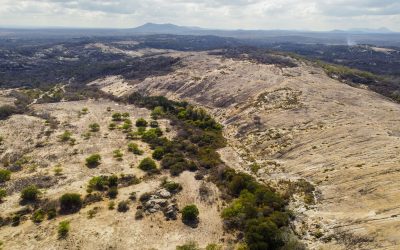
{"x": 245, "y": 14}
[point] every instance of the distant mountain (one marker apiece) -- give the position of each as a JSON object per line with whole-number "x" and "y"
{"x": 166, "y": 28}
{"x": 382, "y": 30}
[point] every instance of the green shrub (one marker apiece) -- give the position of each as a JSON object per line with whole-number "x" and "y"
{"x": 70, "y": 203}
{"x": 141, "y": 122}
{"x": 30, "y": 193}
{"x": 3, "y": 194}
{"x": 172, "y": 187}
{"x": 63, "y": 229}
{"x": 190, "y": 214}
{"x": 125, "y": 114}
{"x": 134, "y": 148}
{"x": 111, "y": 205}
{"x": 113, "y": 181}
{"x": 112, "y": 126}
{"x": 157, "y": 112}
{"x": 145, "y": 197}
{"x": 94, "y": 127}
{"x": 117, "y": 154}
{"x": 178, "y": 168}
{"x": 98, "y": 183}
{"x": 5, "y": 175}
{"x": 213, "y": 247}
{"x": 93, "y": 160}
{"x": 66, "y": 136}
{"x": 189, "y": 246}
{"x": 112, "y": 192}
{"x": 158, "y": 153}
{"x": 148, "y": 165}
{"x": 38, "y": 216}
{"x": 117, "y": 117}
{"x": 123, "y": 206}
{"x": 262, "y": 233}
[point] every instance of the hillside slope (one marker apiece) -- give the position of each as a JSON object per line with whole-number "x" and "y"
{"x": 299, "y": 123}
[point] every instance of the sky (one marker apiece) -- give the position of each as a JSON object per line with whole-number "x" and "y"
{"x": 217, "y": 14}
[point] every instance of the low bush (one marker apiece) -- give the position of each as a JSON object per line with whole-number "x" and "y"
{"x": 158, "y": 153}
{"x": 190, "y": 214}
{"x": 98, "y": 183}
{"x": 123, "y": 206}
{"x": 178, "y": 168}
{"x": 112, "y": 192}
{"x": 63, "y": 229}
{"x": 70, "y": 203}
{"x": 93, "y": 160}
{"x": 66, "y": 136}
{"x": 112, "y": 126}
{"x": 145, "y": 197}
{"x": 172, "y": 187}
{"x": 189, "y": 246}
{"x": 3, "y": 194}
{"x": 148, "y": 165}
{"x": 94, "y": 127}
{"x": 117, "y": 117}
{"x": 134, "y": 148}
{"x": 30, "y": 194}
{"x": 38, "y": 216}
{"x": 141, "y": 122}
{"x": 5, "y": 175}
{"x": 117, "y": 154}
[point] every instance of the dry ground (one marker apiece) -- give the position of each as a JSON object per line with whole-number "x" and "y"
{"x": 28, "y": 137}
{"x": 299, "y": 123}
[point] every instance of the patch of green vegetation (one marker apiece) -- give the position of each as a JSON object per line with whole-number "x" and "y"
{"x": 148, "y": 165}
{"x": 134, "y": 148}
{"x": 63, "y": 229}
{"x": 171, "y": 186}
{"x": 112, "y": 126}
{"x": 256, "y": 209}
{"x": 158, "y": 153}
{"x": 189, "y": 246}
{"x": 94, "y": 127}
{"x": 30, "y": 194}
{"x": 38, "y": 216}
{"x": 141, "y": 122}
{"x": 5, "y": 175}
{"x": 70, "y": 203}
{"x": 117, "y": 154}
{"x": 123, "y": 206}
{"x": 190, "y": 214}
{"x": 66, "y": 136}
{"x": 93, "y": 160}
{"x": 3, "y": 194}
{"x": 117, "y": 117}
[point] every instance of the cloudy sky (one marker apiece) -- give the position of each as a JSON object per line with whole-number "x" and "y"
{"x": 226, "y": 14}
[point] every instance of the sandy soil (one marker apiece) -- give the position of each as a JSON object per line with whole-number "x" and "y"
{"x": 342, "y": 139}
{"x": 108, "y": 229}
